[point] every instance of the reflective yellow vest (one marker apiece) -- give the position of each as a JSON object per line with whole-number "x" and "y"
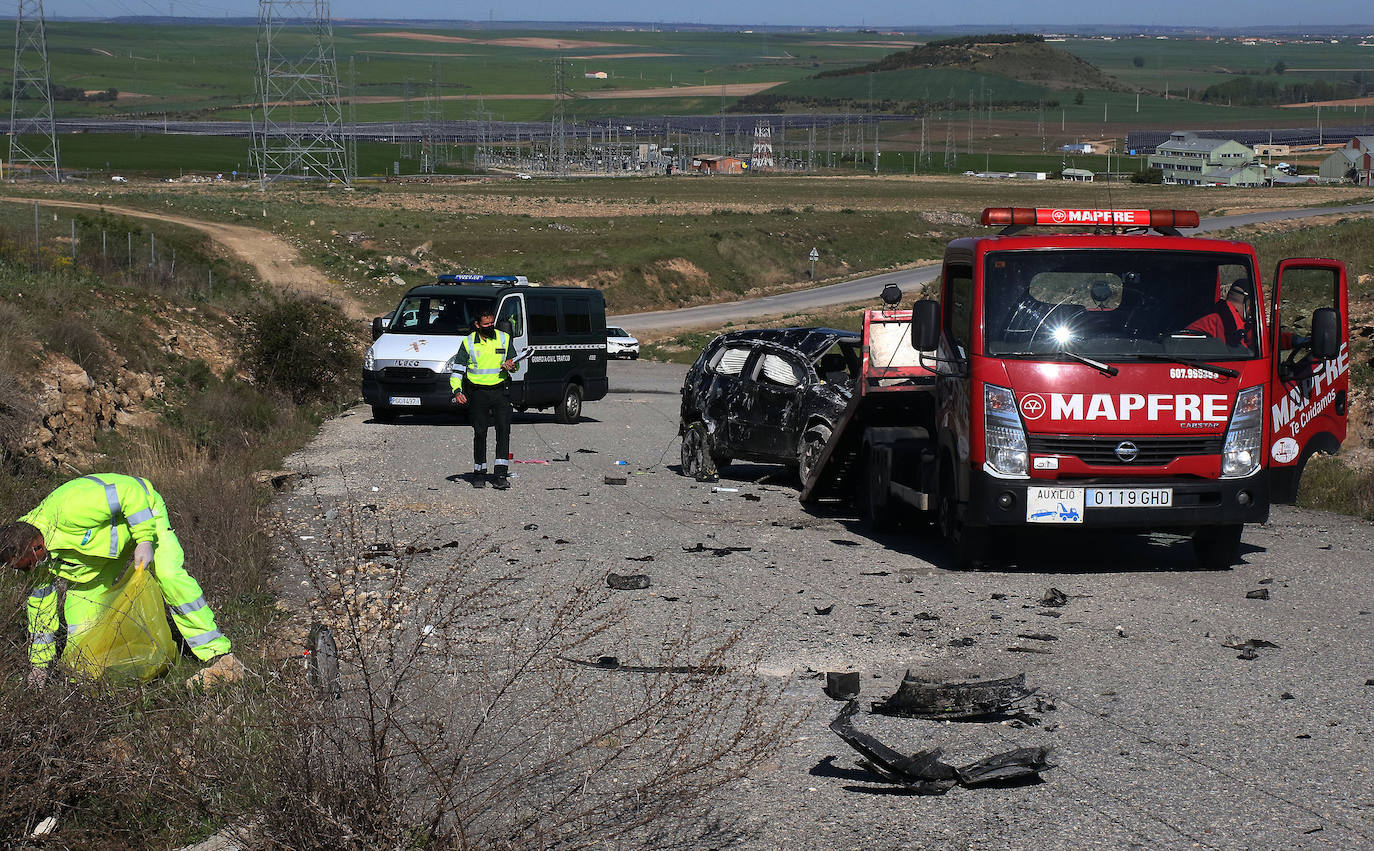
{"x": 485, "y": 358}
{"x": 95, "y": 516}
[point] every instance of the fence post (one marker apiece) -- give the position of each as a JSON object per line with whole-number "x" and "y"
{"x": 37, "y": 243}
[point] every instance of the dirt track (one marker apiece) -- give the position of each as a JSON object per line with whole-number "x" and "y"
{"x": 277, "y": 262}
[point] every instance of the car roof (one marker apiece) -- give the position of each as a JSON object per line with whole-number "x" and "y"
{"x": 808, "y": 341}
{"x": 493, "y": 290}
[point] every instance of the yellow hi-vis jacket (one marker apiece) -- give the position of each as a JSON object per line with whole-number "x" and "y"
{"x": 95, "y": 516}
{"x": 480, "y": 360}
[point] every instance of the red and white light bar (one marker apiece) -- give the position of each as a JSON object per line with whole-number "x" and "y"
{"x": 1063, "y": 216}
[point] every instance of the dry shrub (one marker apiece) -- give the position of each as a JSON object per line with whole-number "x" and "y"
{"x": 1330, "y": 485}
{"x": 75, "y": 338}
{"x": 18, "y": 415}
{"x": 460, "y": 722}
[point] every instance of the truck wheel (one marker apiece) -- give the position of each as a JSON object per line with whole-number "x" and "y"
{"x": 1217, "y": 547}
{"x": 968, "y": 551}
{"x": 696, "y": 453}
{"x": 569, "y": 408}
{"x": 383, "y": 414}
{"x": 809, "y": 454}
{"x": 876, "y": 513}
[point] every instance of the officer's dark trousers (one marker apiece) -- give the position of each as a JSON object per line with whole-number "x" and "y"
{"x": 489, "y": 405}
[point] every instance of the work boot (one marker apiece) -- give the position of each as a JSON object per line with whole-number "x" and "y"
{"x": 478, "y": 479}
{"x": 501, "y": 482}
{"x": 225, "y": 669}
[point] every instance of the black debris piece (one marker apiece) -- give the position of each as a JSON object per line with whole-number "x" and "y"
{"x": 1017, "y": 648}
{"x": 561, "y": 541}
{"x": 999, "y": 596}
{"x": 842, "y": 685}
{"x": 369, "y": 507}
{"x": 530, "y": 527}
{"x": 616, "y": 480}
{"x": 1235, "y": 643}
{"x": 587, "y": 452}
{"x": 875, "y": 573}
{"x": 1054, "y": 597}
{"x": 611, "y": 663}
{"x": 566, "y": 457}
{"x": 632, "y": 582}
{"x": 1257, "y": 594}
{"x": 966, "y": 641}
{"x": 1006, "y": 767}
{"x": 925, "y": 616}
{"x": 323, "y": 656}
{"x": 1288, "y": 695}
{"x": 844, "y": 542}
{"x": 670, "y": 599}
{"x": 752, "y": 497}
{"x": 1267, "y": 580}
{"x": 381, "y": 548}
{"x": 1369, "y": 682}
{"x": 920, "y": 698}
{"x": 718, "y": 552}
{"x": 555, "y": 489}
{"x": 639, "y": 558}
{"x": 824, "y": 610}
{"x": 923, "y": 773}
{"x": 1037, "y": 636}
{"x": 1051, "y": 614}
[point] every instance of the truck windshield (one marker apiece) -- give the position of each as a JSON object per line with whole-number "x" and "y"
{"x": 441, "y": 315}
{"x": 1119, "y": 304}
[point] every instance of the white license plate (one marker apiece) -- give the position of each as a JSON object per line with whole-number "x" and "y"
{"x": 1054, "y": 505}
{"x": 406, "y": 400}
{"x": 1130, "y": 497}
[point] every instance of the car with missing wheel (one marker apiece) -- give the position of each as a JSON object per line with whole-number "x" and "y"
{"x": 620, "y": 344}
{"x": 770, "y": 395}
{"x": 406, "y": 369}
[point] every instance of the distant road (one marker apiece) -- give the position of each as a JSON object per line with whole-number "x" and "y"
{"x": 860, "y": 289}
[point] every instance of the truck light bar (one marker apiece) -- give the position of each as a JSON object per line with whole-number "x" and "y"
{"x": 1028, "y": 216}
{"x": 483, "y": 279}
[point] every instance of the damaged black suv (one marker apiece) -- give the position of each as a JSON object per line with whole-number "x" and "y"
{"x": 770, "y": 395}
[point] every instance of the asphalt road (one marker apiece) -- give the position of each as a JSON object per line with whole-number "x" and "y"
{"x": 1163, "y": 738}
{"x": 860, "y": 289}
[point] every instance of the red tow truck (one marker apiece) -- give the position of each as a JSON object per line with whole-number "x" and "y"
{"x": 1115, "y": 375}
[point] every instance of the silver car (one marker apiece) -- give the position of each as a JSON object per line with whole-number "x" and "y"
{"x": 620, "y": 344}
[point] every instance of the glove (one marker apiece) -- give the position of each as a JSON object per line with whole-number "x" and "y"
{"x": 143, "y": 554}
{"x": 37, "y": 678}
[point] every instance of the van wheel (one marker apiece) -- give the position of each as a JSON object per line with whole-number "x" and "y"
{"x": 383, "y": 414}
{"x": 569, "y": 409}
{"x": 1217, "y": 547}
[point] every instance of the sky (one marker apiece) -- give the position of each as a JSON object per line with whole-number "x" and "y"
{"x": 1000, "y": 15}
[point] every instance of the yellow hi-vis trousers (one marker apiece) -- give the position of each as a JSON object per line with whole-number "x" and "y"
{"x": 87, "y": 601}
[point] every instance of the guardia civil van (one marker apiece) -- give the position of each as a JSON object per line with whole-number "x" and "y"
{"x": 406, "y": 369}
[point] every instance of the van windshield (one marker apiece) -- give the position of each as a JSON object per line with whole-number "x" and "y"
{"x": 441, "y": 315}
{"x": 1119, "y": 304}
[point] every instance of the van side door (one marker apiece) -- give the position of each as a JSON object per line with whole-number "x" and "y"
{"x": 1308, "y": 393}
{"x": 510, "y": 317}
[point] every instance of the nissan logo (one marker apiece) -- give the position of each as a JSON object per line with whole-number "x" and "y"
{"x": 1127, "y": 451}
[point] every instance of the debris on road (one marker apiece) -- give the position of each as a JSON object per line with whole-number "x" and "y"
{"x": 718, "y": 552}
{"x": 1037, "y": 636}
{"x": 323, "y": 656}
{"x": 842, "y": 685}
{"x": 1020, "y": 648}
{"x": 724, "y": 490}
{"x": 631, "y": 582}
{"x": 639, "y": 558}
{"x": 1247, "y": 648}
{"x": 1257, "y": 594}
{"x": 587, "y": 452}
{"x": 844, "y": 542}
{"x": 752, "y": 497}
{"x": 616, "y": 480}
{"x": 824, "y": 610}
{"x": 923, "y": 773}
{"x": 1054, "y": 597}
{"x": 920, "y": 698}
{"x": 612, "y": 663}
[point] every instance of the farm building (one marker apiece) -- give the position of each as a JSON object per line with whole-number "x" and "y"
{"x": 595, "y": 75}
{"x": 1191, "y": 160}
{"x": 1080, "y": 174}
{"x": 1355, "y": 159}
{"x": 718, "y": 164}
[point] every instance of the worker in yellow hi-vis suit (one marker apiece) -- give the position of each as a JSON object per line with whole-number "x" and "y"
{"x": 81, "y": 535}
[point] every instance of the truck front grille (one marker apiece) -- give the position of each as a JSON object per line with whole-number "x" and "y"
{"x": 1101, "y": 451}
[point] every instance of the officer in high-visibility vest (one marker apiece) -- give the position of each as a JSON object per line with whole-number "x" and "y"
{"x": 480, "y": 379}
{"x": 81, "y": 536}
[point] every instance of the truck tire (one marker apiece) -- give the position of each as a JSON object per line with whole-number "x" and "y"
{"x": 876, "y": 513}
{"x": 1217, "y": 547}
{"x": 383, "y": 414}
{"x": 809, "y": 453}
{"x": 569, "y": 408}
{"x": 968, "y": 551}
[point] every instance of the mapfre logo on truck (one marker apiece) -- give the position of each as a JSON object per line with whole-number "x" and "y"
{"x": 1127, "y": 407}
{"x": 1093, "y": 217}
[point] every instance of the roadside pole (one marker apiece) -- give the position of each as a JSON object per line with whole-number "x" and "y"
{"x": 814, "y": 256}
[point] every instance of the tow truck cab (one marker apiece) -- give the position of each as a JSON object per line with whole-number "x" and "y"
{"x": 407, "y": 367}
{"x": 1109, "y": 378}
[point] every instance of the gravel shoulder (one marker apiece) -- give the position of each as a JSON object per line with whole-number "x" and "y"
{"x": 1163, "y": 737}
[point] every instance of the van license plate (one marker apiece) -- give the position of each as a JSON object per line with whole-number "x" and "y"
{"x": 1130, "y": 497}
{"x": 413, "y": 401}
{"x": 1054, "y": 505}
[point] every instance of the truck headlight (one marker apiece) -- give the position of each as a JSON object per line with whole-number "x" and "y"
{"x": 1004, "y": 438}
{"x": 369, "y": 360}
{"x": 1240, "y": 455}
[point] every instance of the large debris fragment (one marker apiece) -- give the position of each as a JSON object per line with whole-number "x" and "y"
{"x": 921, "y": 698}
{"x": 923, "y": 773}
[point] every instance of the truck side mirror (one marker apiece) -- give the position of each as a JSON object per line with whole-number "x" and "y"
{"x": 1326, "y": 333}
{"x": 925, "y": 325}
{"x": 378, "y": 325}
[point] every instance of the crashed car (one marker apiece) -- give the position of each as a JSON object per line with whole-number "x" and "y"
{"x": 769, "y": 395}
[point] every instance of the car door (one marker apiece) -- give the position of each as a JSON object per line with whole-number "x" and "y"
{"x": 1309, "y": 396}
{"x": 769, "y": 403}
